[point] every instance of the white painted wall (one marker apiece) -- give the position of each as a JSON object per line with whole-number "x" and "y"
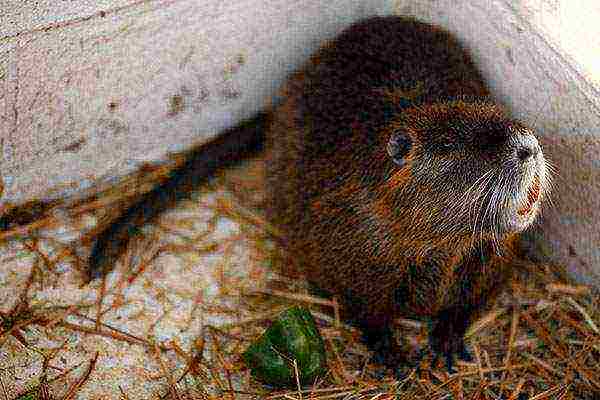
{"x": 88, "y": 89}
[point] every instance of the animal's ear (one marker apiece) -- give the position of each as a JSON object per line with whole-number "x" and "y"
{"x": 398, "y": 147}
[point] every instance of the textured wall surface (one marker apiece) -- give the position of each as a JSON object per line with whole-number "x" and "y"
{"x": 91, "y": 89}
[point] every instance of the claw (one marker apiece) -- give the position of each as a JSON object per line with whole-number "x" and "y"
{"x": 446, "y": 337}
{"x": 449, "y": 362}
{"x": 386, "y": 351}
{"x": 465, "y": 355}
{"x": 447, "y": 357}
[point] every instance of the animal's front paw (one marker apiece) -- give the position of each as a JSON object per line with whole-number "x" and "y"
{"x": 386, "y": 351}
{"x": 447, "y": 336}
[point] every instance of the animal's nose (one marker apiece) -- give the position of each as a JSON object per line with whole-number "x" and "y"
{"x": 527, "y": 147}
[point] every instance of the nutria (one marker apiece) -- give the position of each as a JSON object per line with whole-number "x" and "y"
{"x": 394, "y": 176}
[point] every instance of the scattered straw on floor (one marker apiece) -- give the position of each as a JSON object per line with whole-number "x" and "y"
{"x": 194, "y": 290}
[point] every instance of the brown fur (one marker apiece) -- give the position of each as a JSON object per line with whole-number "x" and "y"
{"x": 426, "y": 229}
{"x": 364, "y": 228}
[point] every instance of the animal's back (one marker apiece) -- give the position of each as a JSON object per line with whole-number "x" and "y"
{"x": 327, "y": 163}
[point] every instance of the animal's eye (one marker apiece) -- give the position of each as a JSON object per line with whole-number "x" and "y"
{"x": 398, "y": 147}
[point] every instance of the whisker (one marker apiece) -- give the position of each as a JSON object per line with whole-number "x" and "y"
{"x": 493, "y": 202}
{"x": 485, "y": 190}
{"x": 472, "y": 215}
{"x": 456, "y": 210}
{"x": 502, "y": 194}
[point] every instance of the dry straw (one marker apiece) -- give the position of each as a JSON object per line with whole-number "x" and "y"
{"x": 540, "y": 341}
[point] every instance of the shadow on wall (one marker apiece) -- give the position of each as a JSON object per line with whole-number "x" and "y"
{"x": 568, "y": 229}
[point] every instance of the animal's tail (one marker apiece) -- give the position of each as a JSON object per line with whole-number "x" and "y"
{"x": 227, "y": 149}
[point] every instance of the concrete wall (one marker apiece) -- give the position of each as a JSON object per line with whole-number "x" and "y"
{"x": 92, "y": 88}
{"x": 88, "y": 90}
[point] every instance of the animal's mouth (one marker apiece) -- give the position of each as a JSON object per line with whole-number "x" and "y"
{"x": 533, "y": 195}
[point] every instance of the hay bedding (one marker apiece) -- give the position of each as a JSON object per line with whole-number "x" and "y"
{"x": 201, "y": 283}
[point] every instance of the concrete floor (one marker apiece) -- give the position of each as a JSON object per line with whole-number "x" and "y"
{"x": 168, "y": 303}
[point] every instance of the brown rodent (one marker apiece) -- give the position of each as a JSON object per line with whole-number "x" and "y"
{"x": 397, "y": 181}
